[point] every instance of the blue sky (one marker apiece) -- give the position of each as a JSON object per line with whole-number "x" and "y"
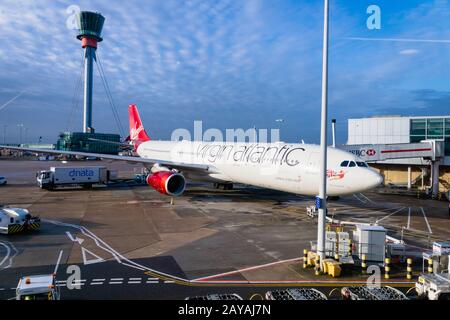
{"x": 229, "y": 63}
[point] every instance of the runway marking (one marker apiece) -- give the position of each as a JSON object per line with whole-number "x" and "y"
{"x": 97, "y": 259}
{"x": 134, "y": 282}
{"x": 116, "y": 279}
{"x": 198, "y": 282}
{"x": 96, "y": 280}
{"x": 245, "y": 269}
{"x": 132, "y": 266}
{"x": 426, "y": 220}
{"x": 377, "y": 221}
{"x": 116, "y": 282}
{"x": 152, "y": 282}
{"x": 76, "y": 239}
{"x": 8, "y": 252}
{"x": 8, "y": 246}
{"x": 409, "y": 218}
{"x": 58, "y": 261}
{"x": 362, "y": 201}
{"x": 367, "y": 198}
{"x": 135, "y": 279}
{"x": 96, "y": 283}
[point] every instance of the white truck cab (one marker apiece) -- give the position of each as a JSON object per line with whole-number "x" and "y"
{"x": 15, "y": 220}
{"x": 39, "y": 287}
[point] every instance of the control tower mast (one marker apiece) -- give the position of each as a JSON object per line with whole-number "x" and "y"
{"x": 90, "y": 26}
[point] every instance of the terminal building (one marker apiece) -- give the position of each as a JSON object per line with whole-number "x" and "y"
{"x": 413, "y": 152}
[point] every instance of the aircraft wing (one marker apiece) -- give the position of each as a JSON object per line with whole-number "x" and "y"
{"x": 144, "y": 161}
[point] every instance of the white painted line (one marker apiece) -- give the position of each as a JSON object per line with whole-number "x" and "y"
{"x": 116, "y": 279}
{"x": 86, "y": 261}
{"x": 390, "y": 214}
{"x": 1, "y": 289}
{"x": 133, "y": 266}
{"x": 134, "y": 279}
{"x": 8, "y": 251}
{"x": 152, "y": 282}
{"x": 96, "y": 283}
{"x": 246, "y": 269}
{"x": 426, "y": 220}
{"x": 134, "y": 282}
{"x": 359, "y": 199}
{"x": 409, "y": 218}
{"x": 150, "y": 279}
{"x": 115, "y": 282}
{"x": 364, "y": 196}
{"x": 58, "y": 261}
{"x": 97, "y": 280}
{"x": 169, "y": 281}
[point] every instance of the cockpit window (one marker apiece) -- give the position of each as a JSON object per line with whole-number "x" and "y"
{"x": 361, "y": 164}
{"x": 344, "y": 163}
{"x": 352, "y": 164}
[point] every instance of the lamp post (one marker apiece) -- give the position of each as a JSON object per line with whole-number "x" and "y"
{"x": 20, "y": 133}
{"x": 4, "y": 133}
{"x": 321, "y": 200}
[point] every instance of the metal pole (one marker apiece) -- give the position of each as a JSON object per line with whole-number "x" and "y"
{"x": 333, "y": 131}
{"x": 88, "y": 75}
{"x": 20, "y": 133}
{"x": 323, "y": 144}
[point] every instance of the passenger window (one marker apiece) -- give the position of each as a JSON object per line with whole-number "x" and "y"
{"x": 352, "y": 164}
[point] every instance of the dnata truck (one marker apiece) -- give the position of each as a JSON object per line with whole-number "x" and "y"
{"x": 72, "y": 176}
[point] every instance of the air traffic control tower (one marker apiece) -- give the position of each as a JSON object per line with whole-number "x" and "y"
{"x": 90, "y": 25}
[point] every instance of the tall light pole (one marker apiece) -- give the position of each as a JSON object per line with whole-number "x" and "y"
{"x": 321, "y": 200}
{"x": 4, "y": 133}
{"x": 20, "y": 133}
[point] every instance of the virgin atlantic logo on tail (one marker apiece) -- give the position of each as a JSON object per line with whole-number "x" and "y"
{"x": 134, "y": 132}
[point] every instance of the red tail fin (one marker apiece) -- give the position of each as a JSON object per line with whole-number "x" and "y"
{"x": 137, "y": 131}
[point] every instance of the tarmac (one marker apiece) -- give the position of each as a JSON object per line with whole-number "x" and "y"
{"x": 130, "y": 242}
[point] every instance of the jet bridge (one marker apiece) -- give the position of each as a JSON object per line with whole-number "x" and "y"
{"x": 429, "y": 151}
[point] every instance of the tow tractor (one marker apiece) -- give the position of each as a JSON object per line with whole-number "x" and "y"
{"x": 435, "y": 285}
{"x": 15, "y": 220}
{"x": 41, "y": 287}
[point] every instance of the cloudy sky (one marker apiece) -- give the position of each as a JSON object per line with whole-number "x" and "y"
{"x": 229, "y": 63}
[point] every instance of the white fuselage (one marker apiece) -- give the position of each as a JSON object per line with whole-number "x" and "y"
{"x": 279, "y": 166}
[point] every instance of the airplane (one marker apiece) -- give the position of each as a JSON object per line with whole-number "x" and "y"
{"x": 288, "y": 167}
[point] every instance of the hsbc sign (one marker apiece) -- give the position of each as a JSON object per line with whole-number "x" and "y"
{"x": 364, "y": 152}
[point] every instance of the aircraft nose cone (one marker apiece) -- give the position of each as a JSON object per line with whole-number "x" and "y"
{"x": 376, "y": 179}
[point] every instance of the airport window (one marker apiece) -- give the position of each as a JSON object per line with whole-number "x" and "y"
{"x": 352, "y": 164}
{"x": 344, "y": 164}
{"x": 447, "y": 127}
{"x": 418, "y": 127}
{"x": 435, "y": 127}
{"x": 417, "y": 138}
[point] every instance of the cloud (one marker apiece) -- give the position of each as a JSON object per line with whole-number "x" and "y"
{"x": 409, "y": 52}
{"x": 228, "y": 63}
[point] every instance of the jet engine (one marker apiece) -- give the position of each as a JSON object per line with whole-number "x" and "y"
{"x": 167, "y": 182}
